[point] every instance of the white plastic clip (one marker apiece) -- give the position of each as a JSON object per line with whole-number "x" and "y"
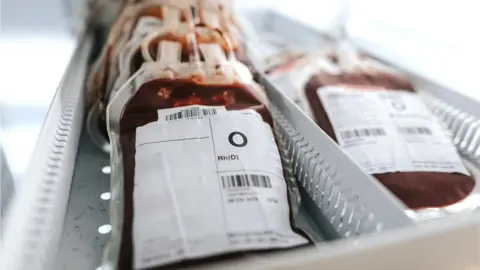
{"x": 213, "y": 54}
{"x": 169, "y": 53}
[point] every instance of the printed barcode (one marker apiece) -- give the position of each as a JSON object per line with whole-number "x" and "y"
{"x": 361, "y": 133}
{"x": 416, "y": 130}
{"x": 190, "y": 113}
{"x": 246, "y": 180}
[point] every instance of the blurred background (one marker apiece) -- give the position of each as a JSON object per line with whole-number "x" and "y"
{"x": 35, "y": 46}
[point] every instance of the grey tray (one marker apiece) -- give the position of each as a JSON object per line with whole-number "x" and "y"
{"x": 87, "y": 210}
{"x": 56, "y": 221}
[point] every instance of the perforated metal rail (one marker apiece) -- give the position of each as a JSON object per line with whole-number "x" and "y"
{"x": 334, "y": 204}
{"x": 464, "y": 127}
{"x": 34, "y": 223}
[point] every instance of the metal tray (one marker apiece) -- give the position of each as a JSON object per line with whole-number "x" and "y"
{"x": 54, "y": 223}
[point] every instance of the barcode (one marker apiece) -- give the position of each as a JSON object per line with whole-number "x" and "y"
{"x": 246, "y": 180}
{"x": 416, "y": 130}
{"x": 190, "y": 113}
{"x": 361, "y": 133}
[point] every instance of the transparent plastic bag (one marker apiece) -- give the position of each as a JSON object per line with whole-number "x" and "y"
{"x": 425, "y": 183}
{"x": 208, "y": 93}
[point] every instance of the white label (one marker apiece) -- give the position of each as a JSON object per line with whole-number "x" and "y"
{"x": 206, "y": 187}
{"x": 389, "y": 131}
{"x": 147, "y": 24}
{"x": 188, "y": 112}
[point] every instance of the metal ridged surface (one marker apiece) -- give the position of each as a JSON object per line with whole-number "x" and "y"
{"x": 464, "y": 127}
{"x": 33, "y": 224}
{"x": 335, "y": 205}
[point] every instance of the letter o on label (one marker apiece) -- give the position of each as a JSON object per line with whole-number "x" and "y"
{"x": 237, "y": 134}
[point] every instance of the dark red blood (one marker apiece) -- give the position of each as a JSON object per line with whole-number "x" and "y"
{"x": 416, "y": 189}
{"x": 142, "y": 109}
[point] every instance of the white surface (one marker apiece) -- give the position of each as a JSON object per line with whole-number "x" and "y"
{"x": 436, "y": 39}
{"x": 451, "y": 244}
{"x": 227, "y": 200}
{"x": 33, "y": 66}
{"x": 189, "y": 112}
